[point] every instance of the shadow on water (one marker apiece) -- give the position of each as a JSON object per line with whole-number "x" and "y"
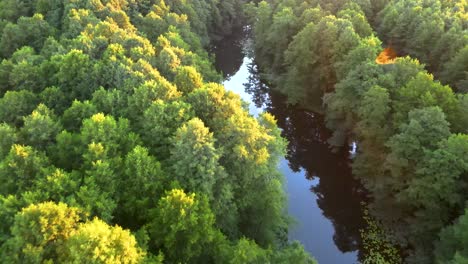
{"x": 339, "y": 195}
{"x": 324, "y": 198}
{"x": 232, "y": 50}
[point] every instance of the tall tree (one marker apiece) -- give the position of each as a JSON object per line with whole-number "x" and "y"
{"x": 40, "y": 232}
{"x": 183, "y": 222}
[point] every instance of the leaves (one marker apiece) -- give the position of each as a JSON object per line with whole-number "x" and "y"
{"x": 106, "y": 109}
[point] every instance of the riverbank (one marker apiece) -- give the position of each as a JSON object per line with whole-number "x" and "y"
{"x": 323, "y": 198}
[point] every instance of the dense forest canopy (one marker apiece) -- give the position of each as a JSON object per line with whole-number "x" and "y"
{"x": 393, "y": 76}
{"x": 119, "y": 145}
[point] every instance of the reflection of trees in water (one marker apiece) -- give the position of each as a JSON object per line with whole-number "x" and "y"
{"x": 257, "y": 88}
{"x": 230, "y": 54}
{"x": 339, "y": 194}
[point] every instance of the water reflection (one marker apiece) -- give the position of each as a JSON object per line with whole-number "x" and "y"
{"x": 257, "y": 88}
{"x": 230, "y": 53}
{"x": 324, "y": 198}
{"x": 339, "y": 196}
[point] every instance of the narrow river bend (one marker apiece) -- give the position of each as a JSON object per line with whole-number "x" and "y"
{"x": 323, "y": 197}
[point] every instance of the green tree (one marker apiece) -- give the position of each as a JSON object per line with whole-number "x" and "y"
{"x": 8, "y": 137}
{"x": 57, "y": 186}
{"x": 21, "y": 168}
{"x": 214, "y": 105}
{"x": 374, "y": 113}
{"x": 111, "y": 102}
{"x": 281, "y": 32}
{"x": 9, "y": 206}
{"x": 161, "y": 120}
{"x": 144, "y": 96}
{"x": 55, "y": 99}
{"x": 31, "y": 31}
{"x": 246, "y": 251}
{"x": 40, "y": 128}
{"x": 456, "y": 72}
{"x": 52, "y": 11}
{"x": 39, "y": 233}
{"x": 423, "y": 91}
{"x": 73, "y": 117}
{"x": 97, "y": 242}
{"x": 141, "y": 186}
{"x": 82, "y": 81}
{"x": 437, "y": 189}
{"x": 188, "y": 79}
{"x": 15, "y": 105}
{"x": 359, "y": 21}
{"x": 98, "y": 191}
{"x": 114, "y": 135}
{"x": 74, "y": 74}
{"x": 194, "y": 158}
{"x": 113, "y": 67}
{"x": 311, "y": 64}
{"x": 12, "y": 10}
{"x": 262, "y": 18}
{"x": 183, "y": 222}
{"x": 451, "y": 248}
{"x": 28, "y": 71}
{"x": 293, "y": 253}
{"x": 67, "y": 152}
{"x": 167, "y": 62}
{"x": 424, "y": 130}
{"x": 252, "y": 150}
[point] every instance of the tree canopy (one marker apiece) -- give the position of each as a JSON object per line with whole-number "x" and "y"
{"x": 404, "y": 120}
{"x": 119, "y": 145}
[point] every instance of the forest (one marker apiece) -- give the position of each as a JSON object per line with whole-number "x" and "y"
{"x": 391, "y": 76}
{"x": 118, "y": 144}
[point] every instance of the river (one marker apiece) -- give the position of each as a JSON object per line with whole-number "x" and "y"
{"x": 323, "y": 198}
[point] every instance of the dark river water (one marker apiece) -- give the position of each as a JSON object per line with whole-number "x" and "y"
{"x": 323, "y": 198}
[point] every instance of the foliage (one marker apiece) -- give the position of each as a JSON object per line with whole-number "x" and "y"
{"x": 113, "y": 111}
{"x": 97, "y": 242}
{"x": 183, "y": 222}
{"x": 48, "y": 232}
{"x": 379, "y": 249}
{"x": 451, "y": 248}
{"x": 404, "y": 120}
